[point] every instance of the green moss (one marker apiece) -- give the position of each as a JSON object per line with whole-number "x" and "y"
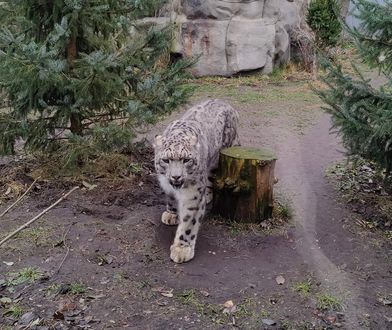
{"x": 248, "y": 153}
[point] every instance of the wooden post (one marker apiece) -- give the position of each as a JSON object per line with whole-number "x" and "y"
{"x": 243, "y": 189}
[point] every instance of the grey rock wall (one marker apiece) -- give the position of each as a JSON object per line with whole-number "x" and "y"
{"x": 231, "y": 36}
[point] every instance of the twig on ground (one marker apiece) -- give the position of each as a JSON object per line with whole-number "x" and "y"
{"x": 62, "y": 261}
{"x": 20, "y": 198}
{"x": 66, "y": 254}
{"x": 38, "y": 216}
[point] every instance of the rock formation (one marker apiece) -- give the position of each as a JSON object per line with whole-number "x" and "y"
{"x": 231, "y": 36}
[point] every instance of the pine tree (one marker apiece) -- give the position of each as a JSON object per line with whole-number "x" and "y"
{"x": 361, "y": 110}
{"x": 83, "y": 72}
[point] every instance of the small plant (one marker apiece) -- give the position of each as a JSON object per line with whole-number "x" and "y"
{"x": 77, "y": 288}
{"x": 328, "y": 302}
{"x": 39, "y": 236}
{"x": 29, "y": 274}
{"x": 15, "y": 311}
{"x": 53, "y": 288}
{"x": 284, "y": 210}
{"x": 190, "y": 298}
{"x": 303, "y": 288}
{"x": 135, "y": 168}
{"x": 323, "y": 18}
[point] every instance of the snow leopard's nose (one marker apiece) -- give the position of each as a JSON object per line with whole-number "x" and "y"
{"x": 176, "y": 181}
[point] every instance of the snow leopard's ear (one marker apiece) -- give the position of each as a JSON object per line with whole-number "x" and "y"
{"x": 194, "y": 142}
{"x": 157, "y": 141}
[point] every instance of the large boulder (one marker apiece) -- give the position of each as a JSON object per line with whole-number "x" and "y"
{"x": 222, "y": 9}
{"x": 205, "y": 39}
{"x": 287, "y": 13}
{"x": 225, "y": 47}
{"x": 250, "y": 45}
{"x": 231, "y": 36}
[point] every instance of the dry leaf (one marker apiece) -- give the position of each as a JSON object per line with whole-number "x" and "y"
{"x": 164, "y": 292}
{"x": 228, "y": 304}
{"x": 66, "y": 305}
{"x": 5, "y": 300}
{"x": 268, "y": 322}
{"x": 280, "y": 279}
{"x": 89, "y": 186}
{"x": 158, "y": 289}
{"x": 167, "y": 294}
{"x": 385, "y": 301}
{"x": 204, "y": 293}
{"x": 162, "y": 302}
{"x": 230, "y": 308}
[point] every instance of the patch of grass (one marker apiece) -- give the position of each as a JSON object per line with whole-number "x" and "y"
{"x": 388, "y": 234}
{"x": 254, "y": 90}
{"x": 53, "y": 288}
{"x": 15, "y": 311}
{"x": 236, "y": 228}
{"x": 28, "y": 274}
{"x": 77, "y": 288}
{"x": 278, "y": 73}
{"x": 287, "y": 325}
{"x": 303, "y": 288}
{"x": 249, "y": 310}
{"x": 39, "y": 235}
{"x": 247, "y": 313}
{"x": 191, "y": 298}
{"x": 328, "y": 302}
{"x": 244, "y": 311}
{"x": 283, "y": 210}
{"x": 135, "y": 168}
{"x": 142, "y": 284}
{"x": 272, "y": 226}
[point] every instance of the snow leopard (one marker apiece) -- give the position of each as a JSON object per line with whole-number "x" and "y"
{"x": 186, "y": 154}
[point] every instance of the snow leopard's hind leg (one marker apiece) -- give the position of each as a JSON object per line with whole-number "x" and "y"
{"x": 209, "y": 188}
{"x": 170, "y": 217}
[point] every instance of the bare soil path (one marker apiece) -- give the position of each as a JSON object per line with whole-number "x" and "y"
{"x": 117, "y": 273}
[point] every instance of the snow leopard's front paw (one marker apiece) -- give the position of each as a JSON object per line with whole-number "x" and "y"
{"x": 169, "y": 218}
{"x": 181, "y": 253}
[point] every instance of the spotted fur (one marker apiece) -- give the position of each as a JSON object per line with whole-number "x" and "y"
{"x": 185, "y": 155}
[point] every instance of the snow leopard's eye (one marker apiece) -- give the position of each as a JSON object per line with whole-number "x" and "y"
{"x": 165, "y": 160}
{"x": 187, "y": 160}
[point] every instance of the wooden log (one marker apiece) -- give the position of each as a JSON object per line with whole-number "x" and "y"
{"x": 243, "y": 189}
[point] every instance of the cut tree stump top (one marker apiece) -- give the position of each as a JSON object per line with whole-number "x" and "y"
{"x": 248, "y": 153}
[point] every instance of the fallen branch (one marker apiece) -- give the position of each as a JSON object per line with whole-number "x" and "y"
{"x": 20, "y": 198}
{"x": 38, "y": 216}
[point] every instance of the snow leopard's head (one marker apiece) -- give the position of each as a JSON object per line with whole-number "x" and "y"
{"x": 177, "y": 158}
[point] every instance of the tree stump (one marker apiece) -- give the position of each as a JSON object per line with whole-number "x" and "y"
{"x": 243, "y": 189}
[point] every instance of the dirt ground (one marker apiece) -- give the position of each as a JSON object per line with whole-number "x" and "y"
{"x": 100, "y": 259}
